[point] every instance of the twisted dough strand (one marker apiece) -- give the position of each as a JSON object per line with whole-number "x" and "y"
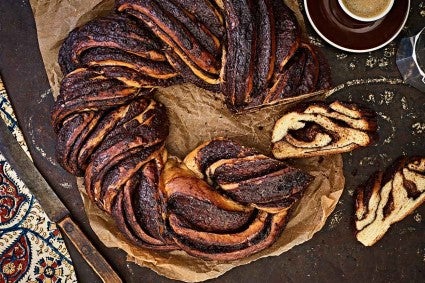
{"x": 115, "y": 40}
{"x": 239, "y": 207}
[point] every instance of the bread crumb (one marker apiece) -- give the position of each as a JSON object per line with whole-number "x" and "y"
{"x": 371, "y": 98}
{"x": 391, "y": 136}
{"x": 388, "y": 97}
{"x": 422, "y": 9}
{"x": 389, "y": 51}
{"x": 341, "y": 56}
{"x": 417, "y": 217}
{"x": 368, "y": 160}
{"x": 418, "y": 128}
{"x": 66, "y": 185}
{"x": 316, "y": 41}
{"x": 336, "y": 218}
{"x": 404, "y": 103}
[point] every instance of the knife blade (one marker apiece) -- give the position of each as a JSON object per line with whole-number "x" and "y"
{"x": 52, "y": 205}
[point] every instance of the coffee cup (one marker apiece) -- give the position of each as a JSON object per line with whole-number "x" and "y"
{"x": 366, "y": 10}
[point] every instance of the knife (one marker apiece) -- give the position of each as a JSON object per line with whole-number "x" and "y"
{"x": 52, "y": 205}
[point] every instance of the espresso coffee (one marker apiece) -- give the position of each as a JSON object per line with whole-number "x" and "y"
{"x": 366, "y": 8}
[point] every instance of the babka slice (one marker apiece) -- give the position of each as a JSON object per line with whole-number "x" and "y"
{"x": 389, "y": 197}
{"x": 318, "y": 128}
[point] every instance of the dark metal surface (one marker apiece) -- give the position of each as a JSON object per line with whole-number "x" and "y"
{"x": 333, "y": 254}
{"x": 29, "y": 174}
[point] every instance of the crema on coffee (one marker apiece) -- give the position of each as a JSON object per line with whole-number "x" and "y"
{"x": 366, "y": 8}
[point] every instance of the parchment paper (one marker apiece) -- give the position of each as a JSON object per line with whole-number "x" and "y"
{"x": 195, "y": 116}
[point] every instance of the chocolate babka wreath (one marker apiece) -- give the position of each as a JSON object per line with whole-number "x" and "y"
{"x": 224, "y": 201}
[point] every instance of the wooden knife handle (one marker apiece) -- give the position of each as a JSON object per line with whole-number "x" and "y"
{"x": 88, "y": 251}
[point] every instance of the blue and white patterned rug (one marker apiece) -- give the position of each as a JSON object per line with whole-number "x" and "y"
{"x": 31, "y": 246}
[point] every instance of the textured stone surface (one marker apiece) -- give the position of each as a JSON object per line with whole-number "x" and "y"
{"x": 333, "y": 254}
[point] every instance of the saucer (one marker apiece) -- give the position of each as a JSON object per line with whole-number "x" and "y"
{"x": 348, "y": 34}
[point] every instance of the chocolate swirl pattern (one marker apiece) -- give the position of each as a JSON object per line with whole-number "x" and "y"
{"x": 319, "y": 129}
{"x": 224, "y": 201}
{"x": 118, "y": 40}
{"x": 240, "y": 204}
{"x": 389, "y": 197}
{"x": 250, "y": 51}
{"x": 190, "y": 46}
{"x": 83, "y": 116}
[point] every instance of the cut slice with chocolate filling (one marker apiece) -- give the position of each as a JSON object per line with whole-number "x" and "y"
{"x": 388, "y": 198}
{"x": 320, "y": 129}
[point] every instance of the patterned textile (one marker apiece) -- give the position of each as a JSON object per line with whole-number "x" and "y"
{"x": 31, "y": 246}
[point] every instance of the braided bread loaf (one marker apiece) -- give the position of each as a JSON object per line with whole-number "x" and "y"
{"x": 224, "y": 201}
